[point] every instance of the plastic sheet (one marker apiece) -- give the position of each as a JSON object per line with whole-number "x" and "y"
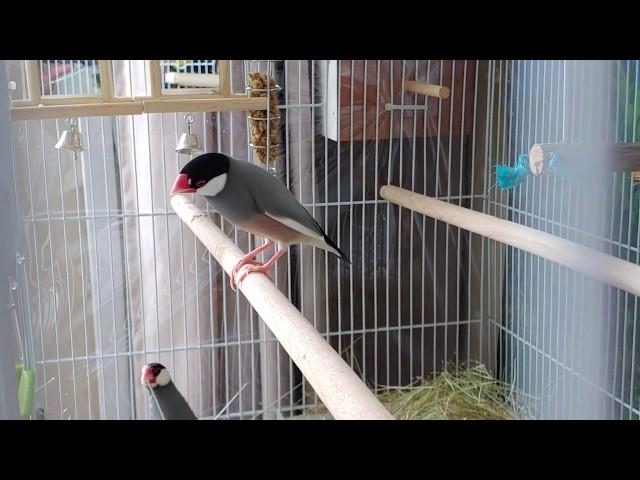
{"x": 115, "y": 280}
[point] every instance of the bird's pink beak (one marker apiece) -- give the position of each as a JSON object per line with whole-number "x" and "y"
{"x": 147, "y": 375}
{"x": 181, "y": 185}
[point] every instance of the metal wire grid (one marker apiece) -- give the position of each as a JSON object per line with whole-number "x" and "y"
{"x": 371, "y": 334}
{"x": 563, "y": 338}
{"x": 79, "y": 360}
{"x": 390, "y": 338}
{"x": 190, "y": 66}
{"x": 69, "y": 77}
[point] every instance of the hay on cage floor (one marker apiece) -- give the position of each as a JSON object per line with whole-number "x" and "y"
{"x": 465, "y": 393}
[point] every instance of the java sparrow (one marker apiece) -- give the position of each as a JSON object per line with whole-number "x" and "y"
{"x": 167, "y": 403}
{"x": 254, "y": 201}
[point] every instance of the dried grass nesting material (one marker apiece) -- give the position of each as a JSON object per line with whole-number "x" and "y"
{"x": 636, "y": 176}
{"x": 258, "y": 127}
{"x": 465, "y": 393}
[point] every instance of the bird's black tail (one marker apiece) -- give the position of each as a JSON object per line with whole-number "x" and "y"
{"x": 331, "y": 243}
{"x": 343, "y": 256}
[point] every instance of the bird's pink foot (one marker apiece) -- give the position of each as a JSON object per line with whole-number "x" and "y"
{"x": 247, "y": 269}
{"x": 234, "y": 273}
{"x": 248, "y": 259}
{"x": 264, "y": 268}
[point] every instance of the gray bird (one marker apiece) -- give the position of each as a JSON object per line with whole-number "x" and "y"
{"x": 254, "y": 201}
{"x": 167, "y": 403}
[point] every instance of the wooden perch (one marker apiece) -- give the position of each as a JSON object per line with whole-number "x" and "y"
{"x": 77, "y": 110}
{"x": 158, "y": 100}
{"x": 222, "y": 104}
{"x": 609, "y": 269}
{"x": 611, "y": 157}
{"x": 339, "y": 388}
{"x": 427, "y": 89}
{"x": 193, "y": 79}
{"x": 139, "y": 106}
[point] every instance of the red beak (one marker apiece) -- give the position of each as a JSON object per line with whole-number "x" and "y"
{"x": 181, "y": 185}
{"x": 147, "y": 375}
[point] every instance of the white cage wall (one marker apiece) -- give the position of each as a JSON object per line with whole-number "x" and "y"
{"x": 112, "y": 279}
{"x": 568, "y": 340}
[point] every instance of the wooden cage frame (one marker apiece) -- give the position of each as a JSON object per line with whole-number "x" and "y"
{"x": 37, "y": 106}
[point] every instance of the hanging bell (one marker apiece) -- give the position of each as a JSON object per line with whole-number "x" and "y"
{"x": 188, "y": 143}
{"x": 71, "y": 139}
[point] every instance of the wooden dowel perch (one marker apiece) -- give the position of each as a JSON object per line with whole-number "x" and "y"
{"x": 611, "y": 156}
{"x": 611, "y": 270}
{"x": 427, "y": 89}
{"x": 339, "y": 388}
{"x": 193, "y": 79}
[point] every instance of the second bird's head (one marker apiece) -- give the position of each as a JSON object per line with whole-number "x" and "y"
{"x": 205, "y": 175}
{"x": 155, "y": 375}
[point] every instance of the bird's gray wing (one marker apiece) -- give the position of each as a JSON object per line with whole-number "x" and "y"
{"x": 274, "y": 199}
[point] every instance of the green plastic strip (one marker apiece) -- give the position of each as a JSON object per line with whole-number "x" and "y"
{"x": 25, "y": 393}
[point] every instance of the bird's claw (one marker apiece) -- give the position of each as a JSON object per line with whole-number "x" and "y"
{"x": 236, "y": 270}
{"x": 245, "y": 270}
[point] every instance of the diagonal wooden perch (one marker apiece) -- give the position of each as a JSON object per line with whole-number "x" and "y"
{"x": 609, "y": 269}
{"x": 337, "y": 385}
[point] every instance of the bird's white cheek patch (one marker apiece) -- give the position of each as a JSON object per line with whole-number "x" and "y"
{"x": 163, "y": 378}
{"x": 214, "y": 186}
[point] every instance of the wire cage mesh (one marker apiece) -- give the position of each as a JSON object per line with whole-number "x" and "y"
{"x": 110, "y": 279}
{"x": 69, "y": 77}
{"x": 199, "y": 68}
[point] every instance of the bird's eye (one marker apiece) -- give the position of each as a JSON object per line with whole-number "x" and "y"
{"x": 201, "y": 183}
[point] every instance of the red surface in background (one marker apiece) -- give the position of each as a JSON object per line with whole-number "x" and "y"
{"x": 358, "y": 113}
{"x": 51, "y": 72}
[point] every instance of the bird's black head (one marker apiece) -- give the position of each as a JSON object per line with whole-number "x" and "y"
{"x": 155, "y": 374}
{"x": 205, "y": 174}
